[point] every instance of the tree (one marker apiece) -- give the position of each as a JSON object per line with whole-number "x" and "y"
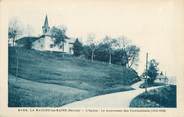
{"x": 123, "y": 42}
{"x": 110, "y": 45}
{"x": 77, "y": 47}
{"x": 86, "y": 51}
{"x": 14, "y": 30}
{"x": 124, "y": 58}
{"x": 132, "y": 55}
{"x": 129, "y": 52}
{"x": 101, "y": 53}
{"x": 59, "y": 33}
{"x": 152, "y": 71}
{"x": 93, "y": 44}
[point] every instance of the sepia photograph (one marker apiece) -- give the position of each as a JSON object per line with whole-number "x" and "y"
{"x": 92, "y": 54}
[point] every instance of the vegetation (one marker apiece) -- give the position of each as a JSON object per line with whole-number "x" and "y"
{"x": 161, "y": 97}
{"x": 49, "y": 79}
{"x": 59, "y": 33}
{"x": 132, "y": 52}
{"x": 152, "y": 71}
{"x": 111, "y": 50}
{"x": 109, "y": 44}
{"x": 151, "y": 85}
{"x": 92, "y": 45}
{"x": 14, "y": 30}
{"x": 77, "y": 48}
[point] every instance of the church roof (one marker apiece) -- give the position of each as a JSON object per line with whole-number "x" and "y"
{"x": 46, "y": 24}
{"x": 26, "y": 40}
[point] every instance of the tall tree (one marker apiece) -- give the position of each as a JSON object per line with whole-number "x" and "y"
{"x": 77, "y": 47}
{"x": 152, "y": 71}
{"x": 93, "y": 44}
{"x": 132, "y": 55}
{"x": 59, "y": 33}
{"x": 129, "y": 52}
{"x": 124, "y": 57}
{"x": 110, "y": 45}
{"x": 123, "y": 42}
{"x": 14, "y": 30}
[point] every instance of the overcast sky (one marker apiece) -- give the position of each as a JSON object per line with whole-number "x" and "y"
{"x": 150, "y": 25}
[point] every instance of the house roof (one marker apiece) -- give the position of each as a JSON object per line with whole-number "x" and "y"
{"x": 161, "y": 76}
{"x": 31, "y": 39}
{"x": 26, "y": 40}
{"x": 66, "y": 37}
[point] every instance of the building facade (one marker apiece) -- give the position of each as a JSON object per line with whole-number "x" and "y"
{"x": 46, "y": 41}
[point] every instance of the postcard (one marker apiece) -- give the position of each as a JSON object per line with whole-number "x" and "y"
{"x": 91, "y": 58}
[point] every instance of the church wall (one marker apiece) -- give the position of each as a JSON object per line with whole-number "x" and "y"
{"x": 39, "y": 44}
{"x": 47, "y": 44}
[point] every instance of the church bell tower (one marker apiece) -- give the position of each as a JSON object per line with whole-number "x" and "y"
{"x": 45, "y": 27}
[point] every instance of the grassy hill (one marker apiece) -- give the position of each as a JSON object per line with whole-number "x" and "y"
{"x": 161, "y": 97}
{"x": 54, "y": 79}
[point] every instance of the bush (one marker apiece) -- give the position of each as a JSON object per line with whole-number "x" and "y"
{"x": 77, "y": 48}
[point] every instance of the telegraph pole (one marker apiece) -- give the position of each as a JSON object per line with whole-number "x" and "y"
{"x": 17, "y": 63}
{"x": 146, "y": 83}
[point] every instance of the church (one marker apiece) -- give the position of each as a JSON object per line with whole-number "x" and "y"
{"x": 46, "y": 42}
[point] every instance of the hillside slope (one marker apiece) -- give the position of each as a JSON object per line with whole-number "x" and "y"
{"x": 164, "y": 97}
{"x": 59, "y": 70}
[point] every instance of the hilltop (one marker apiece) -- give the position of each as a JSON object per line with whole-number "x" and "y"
{"x": 55, "y": 79}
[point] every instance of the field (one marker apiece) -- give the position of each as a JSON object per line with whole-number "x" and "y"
{"x": 161, "y": 97}
{"x": 50, "y": 79}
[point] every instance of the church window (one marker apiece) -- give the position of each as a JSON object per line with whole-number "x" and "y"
{"x": 61, "y": 46}
{"x": 41, "y": 45}
{"x": 51, "y": 45}
{"x": 70, "y": 50}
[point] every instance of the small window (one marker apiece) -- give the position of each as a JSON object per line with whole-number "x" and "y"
{"x": 42, "y": 46}
{"x": 61, "y": 46}
{"x": 51, "y": 45}
{"x": 70, "y": 50}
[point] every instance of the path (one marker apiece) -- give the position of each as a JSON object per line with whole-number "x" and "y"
{"x": 117, "y": 100}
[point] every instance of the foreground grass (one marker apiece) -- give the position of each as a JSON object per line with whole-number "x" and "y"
{"x": 53, "y": 79}
{"x": 161, "y": 97}
{"x": 24, "y": 93}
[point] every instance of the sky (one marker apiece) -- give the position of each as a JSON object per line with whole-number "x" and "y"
{"x": 150, "y": 25}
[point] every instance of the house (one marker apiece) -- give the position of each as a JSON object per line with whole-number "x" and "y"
{"x": 46, "y": 42}
{"x": 161, "y": 78}
{"x": 10, "y": 42}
